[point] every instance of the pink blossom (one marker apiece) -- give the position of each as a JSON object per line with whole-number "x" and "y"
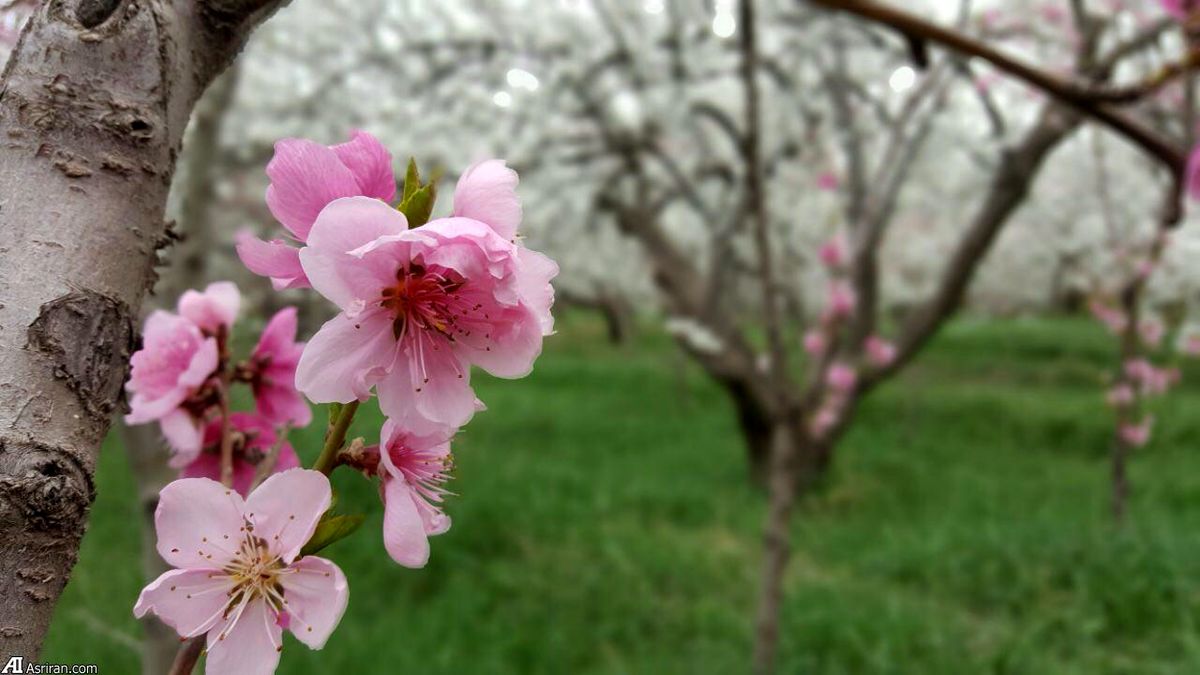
{"x": 420, "y": 307}
{"x": 413, "y": 470}
{"x": 214, "y": 309}
{"x": 1053, "y": 13}
{"x": 487, "y": 192}
{"x": 170, "y": 369}
{"x": 1136, "y": 435}
{"x": 841, "y": 377}
{"x": 824, "y": 420}
{"x": 253, "y": 438}
{"x": 1113, "y": 319}
{"x": 1190, "y": 344}
{"x": 1120, "y": 395}
{"x": 840, "y": 301}
{"x": 305, "y": 177}
{"x": 238, "y": 578}
{"x": 814, "y": 342}
{"x": 1151, "y": 331}
{"x": 828, "y": 181}
{"x": 271, "y": 372}
{"x": 1177, "y": 8}
{"x": 1153, "y": 381}
{"x": 833, "y": 252}
{"x": 879, "y": 351}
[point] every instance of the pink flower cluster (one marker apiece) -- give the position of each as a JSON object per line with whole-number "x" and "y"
{"x": 419, "y": 305}
{"x": 182, "y": 373}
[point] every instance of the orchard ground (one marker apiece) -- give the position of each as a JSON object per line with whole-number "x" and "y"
{"x": 605, "y": 525}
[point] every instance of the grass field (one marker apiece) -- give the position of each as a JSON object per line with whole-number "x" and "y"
{"x": 605, "y": 525}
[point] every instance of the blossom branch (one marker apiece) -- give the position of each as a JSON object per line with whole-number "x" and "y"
{"x": 1083, "y": 98}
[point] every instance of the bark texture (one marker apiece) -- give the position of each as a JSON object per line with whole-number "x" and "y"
{"x": 93, "y": 105}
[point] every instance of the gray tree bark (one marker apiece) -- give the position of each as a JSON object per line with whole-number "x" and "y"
{"x": 93, "y": 105}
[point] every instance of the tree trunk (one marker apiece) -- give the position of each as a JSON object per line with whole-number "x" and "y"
{"x": 618, "y": 319}
{"x": 93, "y": 104}
{"x": 754, "y": 421}
{"x": 776, "y": 546}
{"x": 1120, "y": 481}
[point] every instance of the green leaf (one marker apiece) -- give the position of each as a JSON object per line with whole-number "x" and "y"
{"x": 412, "y": 180}
{"x": 332, "y": 528}
{"x": 419, "y": 205}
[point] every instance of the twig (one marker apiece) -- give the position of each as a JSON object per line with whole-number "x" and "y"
{"x": 335, "y": 439}
{"x": 268, "y": 462}
{"x": 1086, "y": 99}
{"x": 189, "y": 654}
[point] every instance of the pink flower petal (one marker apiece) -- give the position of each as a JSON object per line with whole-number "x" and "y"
{"x": 305, "y": 177}
{"x": 446, "y": 400}
{"x": 279, "y": 334}
{"x": 346, "y": 358}
{"x": 286, "y": 507}
{"x": 189, "y": 600}
{"x": 184, "y": 436}
{"x": 515, "y": 345}
{"x": 246, "y": 644}
{"x": 344, "y": 226}
{"x": 534, "y": 285}
{"x": 203, "y": 364}
{"x": 403, "y": 530}
{"x": 273, "y": 259}
{"x": 217, "y": 306}
{"x": 317, "y": 594}
{"x": 487, "y": 192}
{"x": 198, "y": 523}
{"x": 370, "y": 163}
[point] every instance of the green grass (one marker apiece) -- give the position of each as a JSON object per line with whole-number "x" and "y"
{"x": 605, "y": 525}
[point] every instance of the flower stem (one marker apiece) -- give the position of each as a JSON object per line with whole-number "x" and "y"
{"x": 335, "y": 439}
{"x": 226, "y": 438}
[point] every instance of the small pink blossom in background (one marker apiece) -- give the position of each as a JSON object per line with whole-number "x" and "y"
{"x": 305, "y": 178}
{"x": 1113, "y": 319}
{"x": 1193, "y": 173}
{"x": 840, "y": 302}
{"x": 421, "y": 306}
{"x": 841, "y": 377}
{"x": 879, "y": 351}
{"x": 413, "y": 470}
{"x": 1120, "y": 395}
{"x": 823, "y": 421}
{"x": 272, "y": 372}
{"x": 1138, "y": 369}
{"x": 254, "y": 438}
{"x": 833, "y": 251}
{"x": 1177, "y": 8}
{"x": 238, "y": 579}
{"x": 828, "y": 181}
{"x": 1189, "y": 343}
{"x": 984, "y": 83}
{"x": 213, "y": 310}
{"x": 814, "y": 342}
{"x": 1151, "y": 332}
{"x": 1137, "y": 435}
{"x": 1151, "y": 380}
{"x": 175, "y": 361}
{"x": 1053, "y": 13}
